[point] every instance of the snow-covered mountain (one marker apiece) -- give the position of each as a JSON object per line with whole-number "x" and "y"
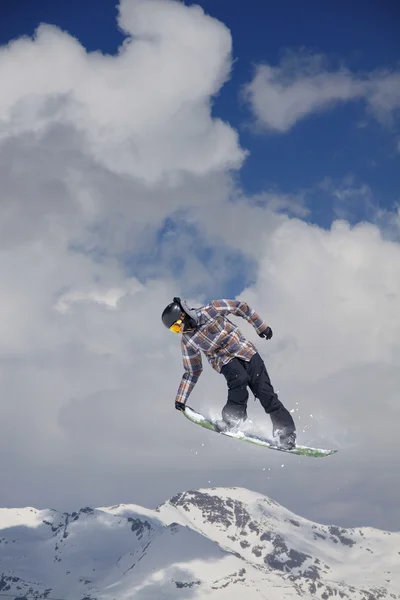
{"x": 218, "y": 543}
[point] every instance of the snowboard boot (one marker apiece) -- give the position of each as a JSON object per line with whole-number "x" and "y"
{"x": 285, "y": 439}
{"x": 228, "y": 424}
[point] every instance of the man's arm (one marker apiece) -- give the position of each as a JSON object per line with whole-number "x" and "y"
{"x": 240, "y": 309}
{"x": 193, "y": 368}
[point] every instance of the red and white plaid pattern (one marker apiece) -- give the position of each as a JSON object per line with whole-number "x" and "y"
{"x": 218, "y": 338}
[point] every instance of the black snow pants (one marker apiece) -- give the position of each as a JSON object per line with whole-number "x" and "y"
{"x": 241, "y": 374}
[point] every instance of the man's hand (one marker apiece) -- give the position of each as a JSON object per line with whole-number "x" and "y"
{"x": 179, "y": 405}
{"x": 267, "y": 333}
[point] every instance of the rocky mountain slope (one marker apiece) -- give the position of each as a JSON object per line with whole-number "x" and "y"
{"x": 215, "y": 543}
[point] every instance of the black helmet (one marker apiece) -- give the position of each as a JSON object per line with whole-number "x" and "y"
{"x": 172, "y": 313}
{"x": 178, "y": 309}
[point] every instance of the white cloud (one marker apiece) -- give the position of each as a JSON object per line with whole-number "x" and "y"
{"x": 109, "y": 297}
{"x": 87, "y": 372}
{"x": 88, "y": 146}
{"x": 347, "y": 280}
{"x": 302, "y": 85}
{"x": 145, "y": 112}
{"x": 383, "y": 95}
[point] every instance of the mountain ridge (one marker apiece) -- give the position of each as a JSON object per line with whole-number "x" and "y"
{"x": 209, "y": 542}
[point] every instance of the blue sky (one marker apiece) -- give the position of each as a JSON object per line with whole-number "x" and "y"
{"x": 335, "y": 144}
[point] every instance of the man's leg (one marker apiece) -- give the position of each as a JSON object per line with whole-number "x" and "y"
{"x": 237, "y": 379}
{"x": 261, "y": 387}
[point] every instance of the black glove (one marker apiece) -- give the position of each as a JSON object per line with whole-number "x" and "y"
{"x": 267, "y": 333}
{"x": 179, "y": 405}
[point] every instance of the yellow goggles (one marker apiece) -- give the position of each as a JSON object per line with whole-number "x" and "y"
{"x": 177, "y": 326}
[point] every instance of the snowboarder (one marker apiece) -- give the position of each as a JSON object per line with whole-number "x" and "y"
{"x": 208, "y": 329}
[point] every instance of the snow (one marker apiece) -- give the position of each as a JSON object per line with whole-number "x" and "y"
{"x": 14, "y": 517}
{"x": 217, "y": 543}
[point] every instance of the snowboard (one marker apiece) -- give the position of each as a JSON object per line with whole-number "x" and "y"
{"x": 199, "y": 419}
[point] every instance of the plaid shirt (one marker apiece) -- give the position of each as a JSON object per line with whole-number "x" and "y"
{"x": 218, "y": 338}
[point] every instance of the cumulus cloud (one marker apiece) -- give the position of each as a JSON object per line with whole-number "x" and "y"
{"x": 347, "y": 279}
{"x": 113, "y": 168}
{"x": 96, "y": 152}
{"x": 302, "y": 84}
{"x": 145, "y": 112}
